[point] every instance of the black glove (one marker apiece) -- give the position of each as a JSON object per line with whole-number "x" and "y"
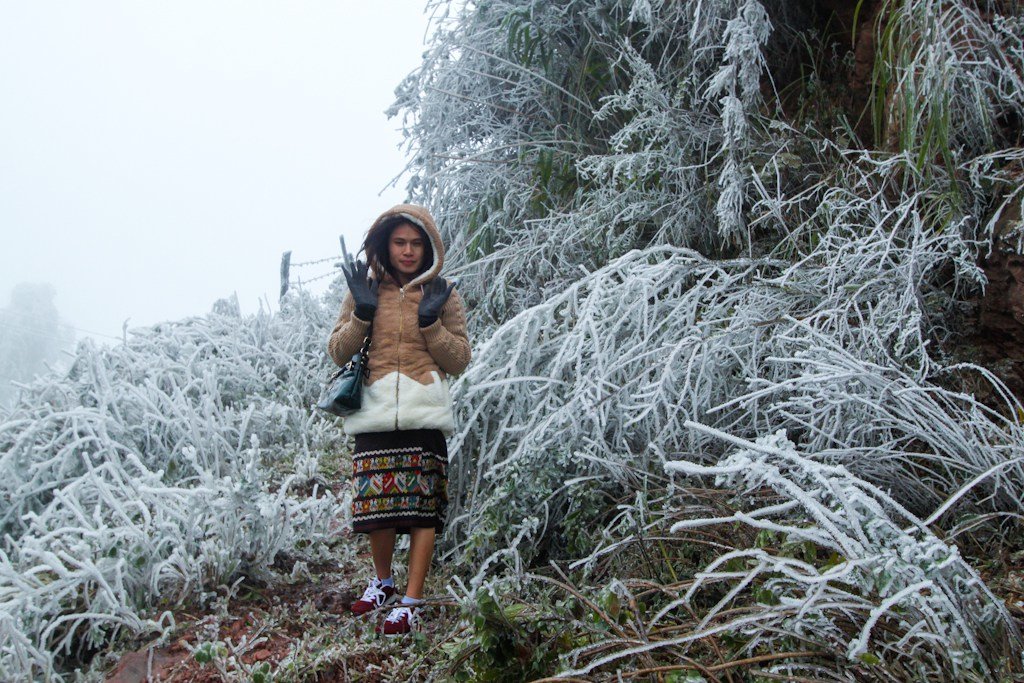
{"x": 435, "y": 293}
{"x": 363, "y": 290}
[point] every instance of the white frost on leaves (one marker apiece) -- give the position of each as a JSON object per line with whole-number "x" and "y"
{"x": 140, "y": 480}
{"x": 886, "y": 564}
{"x": 645, "y": 239}
{"x": 737, "y": 83}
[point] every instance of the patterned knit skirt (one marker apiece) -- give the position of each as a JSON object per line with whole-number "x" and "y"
{"x": 399, "y": 480}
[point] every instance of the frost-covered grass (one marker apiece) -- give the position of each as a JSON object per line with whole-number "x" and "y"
{"x": 769, "y": 561}
{"x": 152, "y": 473}
{"x": 885, "y": 588}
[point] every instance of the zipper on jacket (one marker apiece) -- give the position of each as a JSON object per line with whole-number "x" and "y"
{"x": 401, "y": 298}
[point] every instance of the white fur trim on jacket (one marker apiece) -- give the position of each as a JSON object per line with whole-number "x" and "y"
{"x": 397, "y": 402}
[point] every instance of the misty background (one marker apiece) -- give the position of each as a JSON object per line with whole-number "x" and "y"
{"x": 156, "y": 157}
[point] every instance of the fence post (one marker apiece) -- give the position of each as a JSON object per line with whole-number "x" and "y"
{"x": 286, "y": 261}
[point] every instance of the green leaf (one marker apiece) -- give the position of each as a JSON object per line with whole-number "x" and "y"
{"x": 766, "y": 597}
{"x": 612, "y": 605}
{"x": 513, "y": 611}
{"x": 261, "y": 674}
{"x": 869, "y": 659}
{"x": 205, "y": 653}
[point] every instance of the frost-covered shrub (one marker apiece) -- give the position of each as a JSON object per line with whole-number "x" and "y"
{"x": 835, "y": 576}
{"x": 149, "y": 475}
{"x": 648, "y": 234}
{"x": 552, "y": 137}
{"x": 948, "y": 77}
{"x": 885, "y": 588}
{"x": 119, "y": 542}
{"x": 208, "y": 384}
{"x": 625, "y": 356}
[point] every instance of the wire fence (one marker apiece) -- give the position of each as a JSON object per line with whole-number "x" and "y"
{"x": 300, "y": 282}
{"x": 30, "y": 328}
{"x": 315, "y": 262}
{"x": 286, "y": 266}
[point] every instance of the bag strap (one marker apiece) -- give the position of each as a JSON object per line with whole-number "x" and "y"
{"x": 366, "y": 341}
{"x": 364, "y": 352}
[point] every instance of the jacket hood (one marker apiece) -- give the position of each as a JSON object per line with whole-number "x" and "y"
{"x": 419, "y": 216}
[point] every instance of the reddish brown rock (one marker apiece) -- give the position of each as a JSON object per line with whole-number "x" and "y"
{"x": 1002, "y": 307}
{"x": 134, "y": 667}
{"x": 995, "y": 338}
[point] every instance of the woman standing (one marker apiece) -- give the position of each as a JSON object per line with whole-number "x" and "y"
{"x": 417, "y": 328}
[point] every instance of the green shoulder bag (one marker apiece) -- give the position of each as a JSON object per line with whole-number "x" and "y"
{"x": 344, "y": 393}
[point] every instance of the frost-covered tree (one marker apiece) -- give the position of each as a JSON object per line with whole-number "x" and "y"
{"x": 673, "y": 212}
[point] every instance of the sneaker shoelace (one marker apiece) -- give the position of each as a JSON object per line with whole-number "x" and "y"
{"x": 397, "y": 613}
{"x": 374, "y": 592}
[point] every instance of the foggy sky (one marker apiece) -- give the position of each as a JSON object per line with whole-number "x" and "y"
{"x": 156, "y": 156}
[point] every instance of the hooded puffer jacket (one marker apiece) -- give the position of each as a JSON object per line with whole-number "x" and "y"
{"x": 407, "y": 387}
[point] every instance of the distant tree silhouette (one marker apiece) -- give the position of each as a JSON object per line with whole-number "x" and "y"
{"x": 31, "y": 335}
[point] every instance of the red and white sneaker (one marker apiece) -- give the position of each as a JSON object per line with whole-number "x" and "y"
{"x": 374, "y": 597}
{"x": 401, "y": 620}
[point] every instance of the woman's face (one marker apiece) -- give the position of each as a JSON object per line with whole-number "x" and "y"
{"x": 405, "y": 249}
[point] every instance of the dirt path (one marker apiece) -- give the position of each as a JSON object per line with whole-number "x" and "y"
{"x": 296, "y": 629}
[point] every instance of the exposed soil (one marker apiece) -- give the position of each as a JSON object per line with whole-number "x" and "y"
{"x": 257, "y": 636}
{"x": 299, "y": 625}
{"x": 995, "y": 334}
{"x": 853, "y": 26}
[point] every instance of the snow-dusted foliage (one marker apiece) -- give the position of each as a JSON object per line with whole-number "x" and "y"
{"x": 950, "y": 72}
{"x": 838, "y": 569}
{"x": 658, "y": 215}
{"x": 527, "y": 121}
{"x": 144, "y": 477}
{"x": 880, "y": 566}
{"x": 737, "y": 341}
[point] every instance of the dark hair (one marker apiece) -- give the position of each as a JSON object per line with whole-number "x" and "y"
{"x": 376, "y": 249}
